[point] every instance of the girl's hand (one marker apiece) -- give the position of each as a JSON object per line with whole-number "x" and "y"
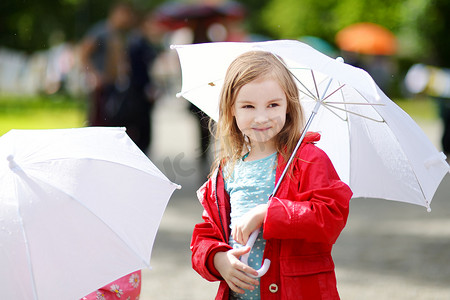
{"x": 234, "y": 271}
{"x": 248, "y": 223}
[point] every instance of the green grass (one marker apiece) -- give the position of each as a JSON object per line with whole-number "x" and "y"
{"x": 40, "y": 113}
{"x": 48, "y": 112}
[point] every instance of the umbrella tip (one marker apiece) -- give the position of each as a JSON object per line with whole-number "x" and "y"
{"x": 428, "y": 206}
{"x": 12, "y": 164}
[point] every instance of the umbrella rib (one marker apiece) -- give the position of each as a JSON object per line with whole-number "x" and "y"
{"x": 30, "y": 265}
{"x": 427, "y": 202}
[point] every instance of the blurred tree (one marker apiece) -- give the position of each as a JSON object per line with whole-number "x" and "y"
{"x": 34, "y": 25}
{"x": 254, "y": 20}
{"x": 434, "y": 27}
{"x": 29, "y": 25}
{"x": 295, "y": 18}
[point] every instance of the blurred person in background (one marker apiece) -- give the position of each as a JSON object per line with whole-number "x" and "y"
{"x": 140, "y": 96}
{"x": 444, "y": 111}
{"x": 208, "y": 21}
{"x": 433, "y": 82}
{"x": 104, "y": 59}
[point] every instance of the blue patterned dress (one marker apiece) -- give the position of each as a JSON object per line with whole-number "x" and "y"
{"x": 250, "y": 185}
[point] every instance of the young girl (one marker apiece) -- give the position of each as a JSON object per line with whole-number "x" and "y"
{"x": 259, "y": 125}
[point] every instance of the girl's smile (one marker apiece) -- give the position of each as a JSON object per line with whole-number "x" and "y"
{"x": 260, "y": 113}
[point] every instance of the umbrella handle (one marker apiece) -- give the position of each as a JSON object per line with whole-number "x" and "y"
{"x": 244, "y": 258}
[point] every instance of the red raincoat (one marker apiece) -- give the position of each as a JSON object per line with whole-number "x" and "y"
{"x": 302, "y": 223}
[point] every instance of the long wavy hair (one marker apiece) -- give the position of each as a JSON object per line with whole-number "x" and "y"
{"x": 230, "y": 142}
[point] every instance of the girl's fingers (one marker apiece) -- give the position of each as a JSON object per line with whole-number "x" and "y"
{"x": 237, "y": 279}
{"x": 242, "y": 285}
{"x": 244, "y": 270}
{"x": 249, "y": 281}
{"x": 240, "y": 265}
{"x": 241, "y": 280}
{"x": 235, "y": 287}
{"x": 235, "y": 233}
{"x": 238, "y": 235}
{"x": 238, "y": 252}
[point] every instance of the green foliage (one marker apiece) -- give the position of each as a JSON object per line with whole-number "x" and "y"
{"x": 421, "y": 26}
{"x": 295, "y": 18}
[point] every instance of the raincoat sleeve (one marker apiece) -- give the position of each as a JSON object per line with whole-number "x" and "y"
{"x": 208, "y": 237}
{"x": 313, "y": 203}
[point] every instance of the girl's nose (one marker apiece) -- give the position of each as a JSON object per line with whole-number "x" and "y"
{"x": 261, "y": 117}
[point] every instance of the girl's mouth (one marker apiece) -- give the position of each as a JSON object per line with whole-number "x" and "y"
{"x": 261, "y": 129}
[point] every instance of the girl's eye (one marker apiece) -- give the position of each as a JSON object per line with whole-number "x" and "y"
{"x": 247, "y": 106}
{"x": 273, "y": 105}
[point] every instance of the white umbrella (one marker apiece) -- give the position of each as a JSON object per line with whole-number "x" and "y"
{"x": 79, "y": 208}
{"x": 376, "y": 148}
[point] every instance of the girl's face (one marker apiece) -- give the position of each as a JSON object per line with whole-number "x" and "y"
{"x": 260, "y": 111}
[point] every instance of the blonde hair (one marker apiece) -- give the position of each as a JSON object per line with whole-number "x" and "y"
{"x": 244, "y": 69}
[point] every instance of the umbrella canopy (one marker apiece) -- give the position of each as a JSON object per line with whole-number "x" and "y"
{"x": 367, "y": 38}
{"x": 79, "y": 208}
{"x": 374, "y": 145}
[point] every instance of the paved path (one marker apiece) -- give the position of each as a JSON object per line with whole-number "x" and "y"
{"x": 388, "y": 250}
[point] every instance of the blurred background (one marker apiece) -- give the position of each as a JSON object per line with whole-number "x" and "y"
{"x": 54, "y": 54}
{"x": 74, "y": 63}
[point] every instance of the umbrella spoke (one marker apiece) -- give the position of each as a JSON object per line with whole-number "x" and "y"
{"x": 333, "y": 112}
{"x": 315, "y": 84}
{"x": 354, "y": 103}
{"x": 332, "y": 93}
{"x": 307, "y": 95}
{"x": 352, "y": 112}
{"x": 311, "y": 95}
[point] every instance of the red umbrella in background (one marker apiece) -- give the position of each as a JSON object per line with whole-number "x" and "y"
{"x": 176, "y": 15}
{"x": 367, "y": 38}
